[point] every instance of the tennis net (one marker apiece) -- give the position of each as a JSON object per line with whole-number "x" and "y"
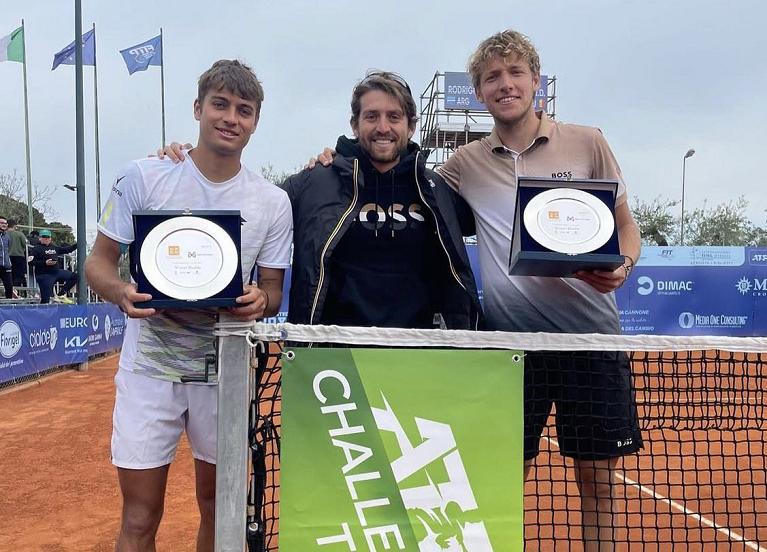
{"x": 699, "y": 482}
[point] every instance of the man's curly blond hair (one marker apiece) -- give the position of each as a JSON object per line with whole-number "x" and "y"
{"x": 505, "y": 44}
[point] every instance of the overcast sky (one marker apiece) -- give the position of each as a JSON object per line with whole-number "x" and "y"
{"x": 657, "y": 77}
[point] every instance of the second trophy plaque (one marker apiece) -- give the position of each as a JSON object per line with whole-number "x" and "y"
{"x": 563, "y": 226}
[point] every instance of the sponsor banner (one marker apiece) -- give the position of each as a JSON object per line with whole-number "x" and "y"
{"x": 692, "y": 256}
{"x": 34, "y": 339}
{"x": 282, "y": 316}
{"x": 389, "y": 449}
{"x": 690, "y": 291}
{"x": 107, "y": 326}
{"x": 681, "y": 291}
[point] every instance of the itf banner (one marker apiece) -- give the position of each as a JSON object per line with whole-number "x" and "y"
{"x": 401, "y": 450}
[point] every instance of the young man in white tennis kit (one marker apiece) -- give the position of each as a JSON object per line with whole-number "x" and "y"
{"x": 153, "y": 407}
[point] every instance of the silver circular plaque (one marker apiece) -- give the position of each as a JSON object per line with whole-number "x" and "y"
{"x": 189, "y": 258}
{"x": 568, "y": 220}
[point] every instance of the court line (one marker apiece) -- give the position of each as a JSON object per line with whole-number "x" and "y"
{"x": 732, "y": 535}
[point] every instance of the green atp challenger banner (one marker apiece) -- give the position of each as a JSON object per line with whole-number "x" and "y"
{"x": 401, "y": 450}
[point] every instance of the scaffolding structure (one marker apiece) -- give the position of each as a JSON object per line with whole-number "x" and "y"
{"x": 443, "y": 129}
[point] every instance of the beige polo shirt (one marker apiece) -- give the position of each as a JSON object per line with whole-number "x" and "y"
{"x": 485, "y": 174}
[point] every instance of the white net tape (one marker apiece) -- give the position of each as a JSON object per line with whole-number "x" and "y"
{"x": 465, "y": 339}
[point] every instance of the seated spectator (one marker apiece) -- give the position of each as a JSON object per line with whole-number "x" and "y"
{"x": 45, "y": 260}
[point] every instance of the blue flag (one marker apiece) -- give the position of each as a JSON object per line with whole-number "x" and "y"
{"x": 67, "y": 55}
{"x": 141, "y": 56}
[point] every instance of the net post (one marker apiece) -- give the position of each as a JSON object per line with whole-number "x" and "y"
{"x": 232, "y": 449}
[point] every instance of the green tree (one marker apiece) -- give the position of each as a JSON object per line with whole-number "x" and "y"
{"x": 725, "y": 224}
{"x": 657, "y": 224}
{"x": 276, "y": 176}
{"x": 13, "y": 205}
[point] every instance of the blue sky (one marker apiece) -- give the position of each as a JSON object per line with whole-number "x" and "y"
{"x": 656, "y": 77}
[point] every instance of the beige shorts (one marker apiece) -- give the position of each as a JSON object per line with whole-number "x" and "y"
{"x": 151, "y": 414}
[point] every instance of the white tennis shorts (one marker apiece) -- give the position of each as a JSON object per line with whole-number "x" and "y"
{"x": 151, "y": 414}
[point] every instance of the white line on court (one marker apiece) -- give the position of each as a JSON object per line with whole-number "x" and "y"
{"x": 732, "y": 535}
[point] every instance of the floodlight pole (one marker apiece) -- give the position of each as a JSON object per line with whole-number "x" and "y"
{"x": 690, "y": 153}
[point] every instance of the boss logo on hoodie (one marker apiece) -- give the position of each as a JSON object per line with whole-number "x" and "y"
{"x": 396, "y": 217}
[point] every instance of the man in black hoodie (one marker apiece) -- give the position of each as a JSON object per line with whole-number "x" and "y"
{"x": 377, "y": 236}
{"x": 45, "y": 260}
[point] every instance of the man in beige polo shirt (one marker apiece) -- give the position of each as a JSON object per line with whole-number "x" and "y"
{"x": 595, "y": 406}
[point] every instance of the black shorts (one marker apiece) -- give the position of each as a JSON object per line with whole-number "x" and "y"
{"x": 596, "y": 414}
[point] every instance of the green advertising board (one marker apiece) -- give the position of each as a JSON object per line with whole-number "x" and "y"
{"x": 401, "y": 450}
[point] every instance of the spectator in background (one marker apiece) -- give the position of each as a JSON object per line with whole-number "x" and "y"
{"x": 5, "y": 258}
{"x": 45, "y": 260}
{"x": 18, "y": 254}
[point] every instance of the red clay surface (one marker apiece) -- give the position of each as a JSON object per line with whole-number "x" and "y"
{"x": 704, "y": 452}
{"x": 58, "y": 489}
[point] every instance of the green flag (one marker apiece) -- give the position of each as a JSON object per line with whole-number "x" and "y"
{"x": 12, "y": 46}
{"x": 401, "y": 450}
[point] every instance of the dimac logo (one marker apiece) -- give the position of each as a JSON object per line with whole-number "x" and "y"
{"x": 647, "y": 285}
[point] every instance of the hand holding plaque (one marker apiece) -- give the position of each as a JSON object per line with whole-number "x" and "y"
{"x": 187, "y": 258}
{"x": 563, "y": 226}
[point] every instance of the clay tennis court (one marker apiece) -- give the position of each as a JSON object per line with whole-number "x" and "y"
{"x": 58, "y": 489}
{"x": 698, "y": 485}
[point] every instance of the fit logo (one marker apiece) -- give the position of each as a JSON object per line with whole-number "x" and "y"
{"x": 174, "y": 250}
{"x": 553, "y": 215}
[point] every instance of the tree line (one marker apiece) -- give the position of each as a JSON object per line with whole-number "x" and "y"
{"x": 723, "y": 224}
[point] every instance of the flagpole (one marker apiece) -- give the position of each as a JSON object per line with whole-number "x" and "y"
{"x": 96, "y": 119}
{"x": 82, "y": 286}
{"x": 30, "y": 219}
{"x": 162, "y": 86}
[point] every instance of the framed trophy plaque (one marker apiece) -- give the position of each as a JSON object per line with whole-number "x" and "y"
{"x": 563, "y": 226}
{"x": 187, "y": 259}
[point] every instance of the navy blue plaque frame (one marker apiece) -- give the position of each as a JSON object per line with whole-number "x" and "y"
{"x": 143, "y": 223}
{"x": 530, "y": 258}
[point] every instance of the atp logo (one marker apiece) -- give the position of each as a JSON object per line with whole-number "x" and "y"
{"x": 107, "y": 327}
{"x": 442, "y": 507}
